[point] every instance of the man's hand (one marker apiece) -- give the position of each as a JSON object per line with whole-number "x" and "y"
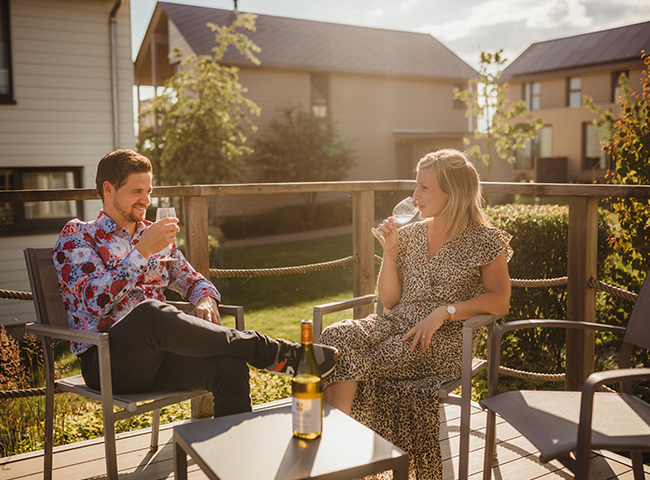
{"x": 207, "y": 309}
{"x": 158, "y": 236}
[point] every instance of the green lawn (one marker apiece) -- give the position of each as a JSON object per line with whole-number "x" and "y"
{"x": 275, "y": 305}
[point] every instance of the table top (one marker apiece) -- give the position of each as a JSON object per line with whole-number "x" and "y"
{"x": 260, "y": 445}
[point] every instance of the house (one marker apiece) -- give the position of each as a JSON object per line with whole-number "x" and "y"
{"x": 66, "y": 99}
{"x": 389, "y": 92}
{"x": 553, "y": 77}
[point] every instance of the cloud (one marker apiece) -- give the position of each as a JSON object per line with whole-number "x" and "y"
{"x": 560, "y": 12}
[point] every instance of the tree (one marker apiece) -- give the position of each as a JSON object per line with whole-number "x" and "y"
{"x": 627, "y": 142}
{"x": 202, "y": 118}
{"x": 486, "y": 100}
{"x": 303, "y": 148}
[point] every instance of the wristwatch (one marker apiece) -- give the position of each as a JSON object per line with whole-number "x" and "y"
{"x": 451, "y": 310}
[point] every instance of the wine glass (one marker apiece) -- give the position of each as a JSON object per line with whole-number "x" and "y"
{"x": 403, "y": 213}
{"x": 165, "y": 212}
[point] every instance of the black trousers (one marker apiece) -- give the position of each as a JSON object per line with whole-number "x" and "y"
{"x": 158, "y": 347}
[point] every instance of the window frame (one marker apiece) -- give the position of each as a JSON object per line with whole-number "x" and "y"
{"x": 320, "y": 94}
{"x": 533, "y": 99}
{"x": 616, "y": 85}
{"x": 585, "y": 160}
{"x": 31, "y": 226}
{"x": 7, "y": 98}
{"x": 533, "y": 146}
{"x": 570, "y": 91}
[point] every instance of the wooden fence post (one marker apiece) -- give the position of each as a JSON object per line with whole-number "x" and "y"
{"x": 581, "y": 299}
{"x": 363, "y": 216}
{"x": 195, "y": 214}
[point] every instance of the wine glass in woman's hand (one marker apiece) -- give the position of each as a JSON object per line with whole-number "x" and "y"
{"x": 166, "y": 212}
{"x": 403, "y": 213}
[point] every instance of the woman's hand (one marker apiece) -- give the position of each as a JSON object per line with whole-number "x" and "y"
{"x": 425, "y": 328}
{"x": 388, "y": 230}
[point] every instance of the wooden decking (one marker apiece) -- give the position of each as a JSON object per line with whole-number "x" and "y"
{"x": 517, "y": 460}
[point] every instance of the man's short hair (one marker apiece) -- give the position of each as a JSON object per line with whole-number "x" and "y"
{"x": 116, "y": 167}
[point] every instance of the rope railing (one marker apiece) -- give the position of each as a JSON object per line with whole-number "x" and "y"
{"x": 269, "y": 272}
{"x": 275, "y": 271}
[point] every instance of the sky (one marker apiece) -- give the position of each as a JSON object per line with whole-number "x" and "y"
{"x": 467, "y": 27}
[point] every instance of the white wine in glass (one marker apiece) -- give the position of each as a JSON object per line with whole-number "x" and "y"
{"x": 403, "y": 213}
{"x": 166, "y": 212}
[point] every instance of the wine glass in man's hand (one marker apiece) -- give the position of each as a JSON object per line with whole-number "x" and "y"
{"x": 166, "y": 212}
{"x": 403, "y": 213}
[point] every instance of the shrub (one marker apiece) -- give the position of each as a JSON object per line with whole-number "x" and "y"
{"x": 540, "y": 244}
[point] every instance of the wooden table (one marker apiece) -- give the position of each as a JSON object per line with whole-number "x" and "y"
{"x": 260, "y": 446}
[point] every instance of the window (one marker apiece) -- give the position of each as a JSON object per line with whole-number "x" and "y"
{"x": 458, "y": 104}
{"x": 6, "y": 77}
{"x": 540, "y": 147}
{"x": 574, "y": 92}
{"x": 38, "y": 217}
{"x": 532, "y": 95}
{"x": 617, "y": 87}
{"x": 320, "y": 93}
{"x": 594, "y": 157}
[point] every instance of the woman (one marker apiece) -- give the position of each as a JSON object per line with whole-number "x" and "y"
{"x": 449, "y": 267}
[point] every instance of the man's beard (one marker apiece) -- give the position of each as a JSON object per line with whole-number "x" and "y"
{"x": 130, "y": 216}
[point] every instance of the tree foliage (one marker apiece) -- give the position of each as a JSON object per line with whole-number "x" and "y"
{"x": 202, "y": 118}
{"x": 486, "y": 100}
{"x": 627, "y": 141}
{"x": 301, "y": 147}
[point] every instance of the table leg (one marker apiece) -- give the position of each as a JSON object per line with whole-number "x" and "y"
{"x": 180, "y": 462}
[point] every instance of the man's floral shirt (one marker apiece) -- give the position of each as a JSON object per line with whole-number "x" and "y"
{"x": 102, "y": 277}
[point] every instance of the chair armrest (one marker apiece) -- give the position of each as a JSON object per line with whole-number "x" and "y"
{"x": 587, "y": 400}
{"x": 610, "y": 376}
{"x": 236, "y": 311}
{"x": 62, "y": 333}
{"x": 482, "y": 320}
{"x": 339, "y": 306}
{"x": 494, "y": 350}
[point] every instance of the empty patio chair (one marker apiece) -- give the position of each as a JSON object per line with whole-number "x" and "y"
{"x": 567, "y": 425}
{"x": 53, "y": 327}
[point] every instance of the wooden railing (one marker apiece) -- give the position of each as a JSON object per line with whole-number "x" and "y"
{"x": 583, "y": 235}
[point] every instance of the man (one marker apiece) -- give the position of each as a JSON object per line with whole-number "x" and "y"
{"x": 112, "y": 273}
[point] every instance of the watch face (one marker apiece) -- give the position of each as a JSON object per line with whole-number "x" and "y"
{"x": 451, "y": 309}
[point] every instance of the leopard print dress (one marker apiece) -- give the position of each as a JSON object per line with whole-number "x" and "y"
{"x": 398, "y": 390}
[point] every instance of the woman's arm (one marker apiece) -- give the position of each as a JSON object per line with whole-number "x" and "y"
{"x": 389, "y": 284}
{"x": 495, "y": 299}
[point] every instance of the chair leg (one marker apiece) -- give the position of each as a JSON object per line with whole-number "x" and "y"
{"x": 155, "y": 429}
{"x": 490, "y": 445}
{"x": 463, "y": 460}
{"x": 49, "y": 431}
{"x": 637, "y": 465}
{"x": 109, "y": 442}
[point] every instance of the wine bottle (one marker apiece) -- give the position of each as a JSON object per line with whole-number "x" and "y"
{"x": 307, "y": 390}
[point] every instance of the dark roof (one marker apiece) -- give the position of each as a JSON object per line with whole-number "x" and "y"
{"x": 611, "y": 46}
{"x": 319, "y": 46}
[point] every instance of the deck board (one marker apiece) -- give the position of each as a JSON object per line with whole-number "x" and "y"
{"x": 517, "y": 458}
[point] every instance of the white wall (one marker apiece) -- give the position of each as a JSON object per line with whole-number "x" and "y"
{"x": 63, "y": 111}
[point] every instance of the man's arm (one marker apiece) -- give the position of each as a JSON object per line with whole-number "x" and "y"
{"x": 80, "y": 266}
{"x": 194, "y": 287}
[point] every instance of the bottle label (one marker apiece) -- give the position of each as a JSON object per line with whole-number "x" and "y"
{"x": 306, "y": 414}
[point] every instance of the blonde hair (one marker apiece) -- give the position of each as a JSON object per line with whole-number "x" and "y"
{"x": 459, "y": 179}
